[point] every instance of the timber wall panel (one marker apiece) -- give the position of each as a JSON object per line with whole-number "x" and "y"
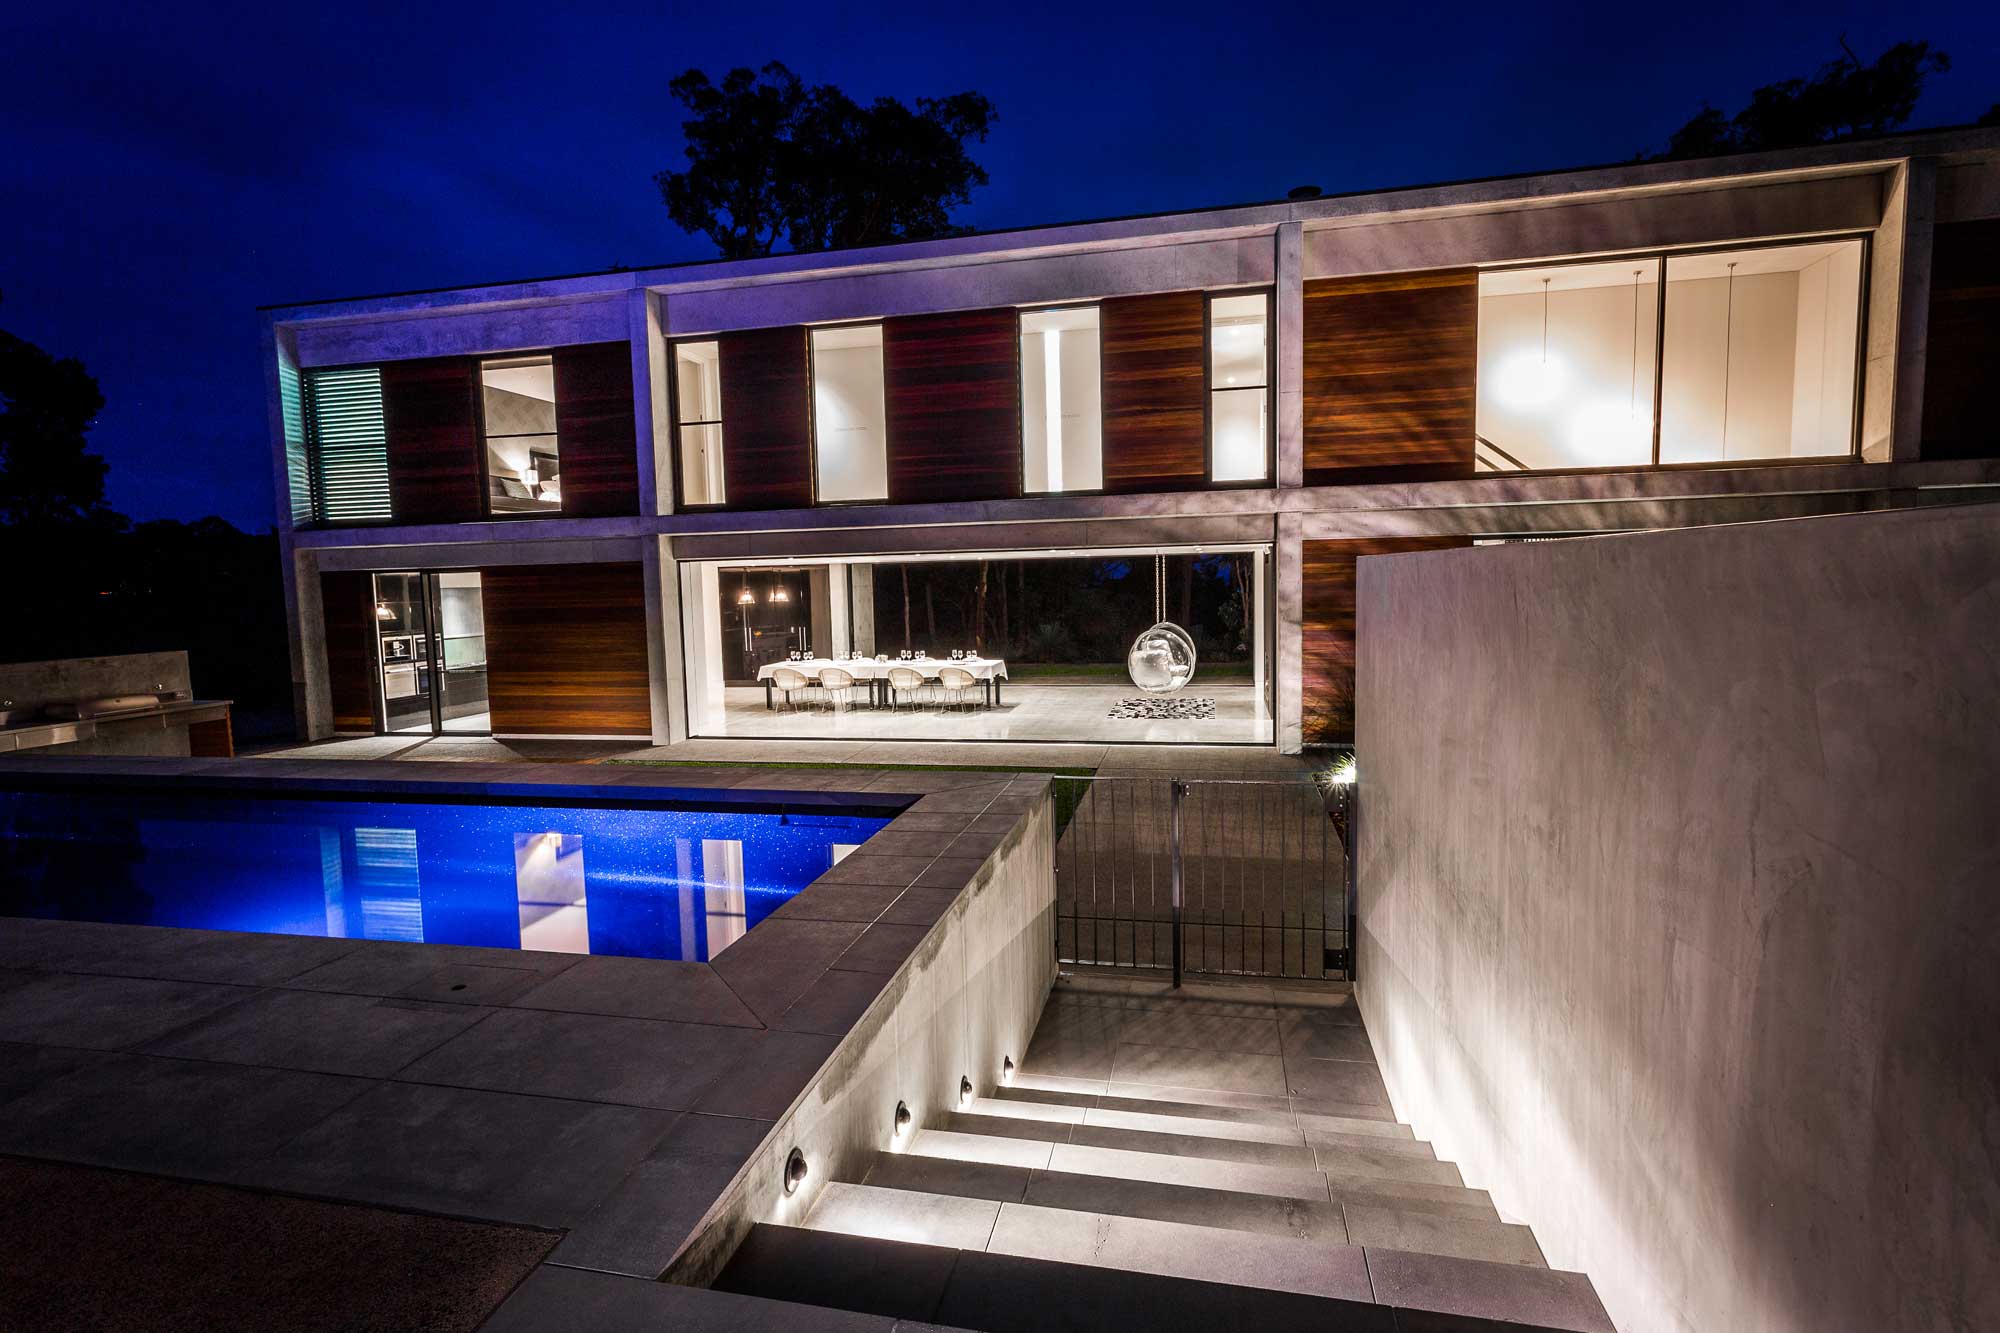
{"x": 1327, "y": 640}
{"x": 597, "y": 436}
{"x": 952, "y": 388}
{"x": 347, "y": 603}
{"x": 1391, "y": 366}
{"x": 1962, "y": 345}
{"x": 766, "y": 418}
{"x": 1154, "y": 351}
{"x": 430, "y": 415}
{"x": 566, "y": 649}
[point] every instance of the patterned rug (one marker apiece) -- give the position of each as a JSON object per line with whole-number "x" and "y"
{"x": 1159, "y": 708}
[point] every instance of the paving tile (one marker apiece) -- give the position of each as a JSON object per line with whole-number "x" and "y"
{"x": 106, "y": 1013}
{"x": 1162, "y": 1027}
{"x": 832, "y": 1004}
{"x": 539, "y": 1161}
{"x": 1180, "y": 1067}
{"x": 921, "y": 907}
{"x": 642, "y": 1222}
{"x": 556, "y": 1299}
{"x": 948, "y": 872}
{"x": 866, "y": 867}
{"x": 821, "y": 901}
{"x": 858, "y": 1273}
{"x": 173, "y": 953}
{"x": 766, "y": 1072}
{"x": 890, "y": 1214}
{"x": 171, "y": 1117}
{"x": 591, "y": 1057}
{"x": 774, "y": 964}
{"x": 362, "y": 1035}
{"x": 908, "y": 841}
{"x": 26, "y": 1068}
{"x": 1540, "y": 1296}
{"x": 641, "y": 988}
{"x": 1381, "y": 1226}
{"x": 1349, "y": 1081}
{"x": 431, "y": 971}
{"x": 883, "y": 947}
{"x": 1326, "y": 1041}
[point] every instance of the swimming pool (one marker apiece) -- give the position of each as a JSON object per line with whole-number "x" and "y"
{"x": 569, "y": 875}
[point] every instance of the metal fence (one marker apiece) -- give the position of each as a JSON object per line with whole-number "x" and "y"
{"x": 1203, "y": 875}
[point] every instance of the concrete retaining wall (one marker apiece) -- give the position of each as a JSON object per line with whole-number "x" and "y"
{"x": 1680, "y": 906}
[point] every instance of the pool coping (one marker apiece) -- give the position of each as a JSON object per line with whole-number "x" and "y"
{"x": 784, "y": 999}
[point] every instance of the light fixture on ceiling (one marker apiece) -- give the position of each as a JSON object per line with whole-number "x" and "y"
{"x": 780, "y": 593}
{"x": 744, "y": 596}
{"x": 1528, "y": 379}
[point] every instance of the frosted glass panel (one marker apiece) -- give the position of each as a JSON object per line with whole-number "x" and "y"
{"x": 1062, "y": 437}
{"x": 850, "y": 448}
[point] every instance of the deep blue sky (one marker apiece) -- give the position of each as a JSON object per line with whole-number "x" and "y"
{"x": 168, "y": 168}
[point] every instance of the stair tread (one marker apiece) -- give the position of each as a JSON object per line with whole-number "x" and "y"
{"x": 1304, "y": 1120}
{"x": 1295, "y": 1154}
{"x": 1386, "y": 1227}
{"x": 1290, "y": 1181}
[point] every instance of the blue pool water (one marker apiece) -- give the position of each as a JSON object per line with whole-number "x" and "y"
{"x": 641, "y": 882}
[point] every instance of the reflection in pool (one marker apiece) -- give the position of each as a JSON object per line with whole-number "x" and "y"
{"x": 645, "y": 883}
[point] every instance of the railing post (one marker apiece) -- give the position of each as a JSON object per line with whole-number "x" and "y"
{"x": 1179, "y": 789}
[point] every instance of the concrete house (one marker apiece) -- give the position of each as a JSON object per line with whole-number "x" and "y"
{"x": 667, "y": 503}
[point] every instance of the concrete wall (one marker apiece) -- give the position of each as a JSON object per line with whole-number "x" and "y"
{"x": 1678, "y": 917}
{"x": 967, "y": 998}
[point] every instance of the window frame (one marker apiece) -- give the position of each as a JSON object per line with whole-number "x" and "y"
{"x": 812, "y": 410}
{"x": 674, "y": 422}
{"x": 1020, "y": 379}
{"x": 1209, "y": 389}
{"x": 479, "y": 362}
{"x": 1661, "y": 256}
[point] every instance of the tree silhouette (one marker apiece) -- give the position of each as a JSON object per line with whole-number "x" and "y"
{"x": 771, "y": 159}
{"x": 47, "y": 472}
{"x": 1845, "y": 99}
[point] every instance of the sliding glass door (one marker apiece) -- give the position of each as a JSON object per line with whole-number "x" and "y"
{"x": 431, "y": 645}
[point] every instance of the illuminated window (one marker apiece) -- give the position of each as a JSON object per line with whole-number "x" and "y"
{"x": 850, "y": 435}
{"x": 1239, "y": 387}
{"x": 698, "y": 418}
{"x": 523, "y": 463}
{"x": 1062, "y": 436}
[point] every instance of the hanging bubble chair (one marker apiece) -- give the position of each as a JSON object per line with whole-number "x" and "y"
{"x": 1162, "y": 659}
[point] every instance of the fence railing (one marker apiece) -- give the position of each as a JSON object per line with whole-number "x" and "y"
{"x": 1203, "y": 875}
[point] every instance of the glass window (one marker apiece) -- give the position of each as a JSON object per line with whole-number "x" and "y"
{"x": 1760, "y": 353}
{"x": 348, "y": 444}
{"x": 1062, "y": 436}
{"x": 1566, "y": 366}
{"x": 698, "y": 418}
{"x": 523, "y": 464}
{"x": 850, "y": 438}
{"x": 1239, "y": 408}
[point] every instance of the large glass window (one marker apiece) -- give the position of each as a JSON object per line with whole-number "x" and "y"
{"x": 348, "y": 445}
{"x": 523, "y": 463}
{"x": 850, "y": 436}
{"x": 1239, "y": 387}
{"x": 698, "y": 420}
{"x": 1757, "y": 361}
{"x": 1062, "y": 434}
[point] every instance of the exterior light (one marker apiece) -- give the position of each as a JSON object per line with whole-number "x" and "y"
{"x": 964, "y": 1092}
{"x": 902, "y": 1121}
{"x": 1007, "y": 1071}
{"x": 795, "y": 1171}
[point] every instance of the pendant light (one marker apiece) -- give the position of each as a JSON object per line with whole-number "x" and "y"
{"x": 780, "y": 593}
{"x": 382, "y": 611}
{"x": 744, "y": 596}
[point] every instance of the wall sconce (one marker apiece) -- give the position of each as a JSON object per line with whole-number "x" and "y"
{"x": 964, "y": 1093}
{"x": 1007, "y": 1071}
{"x": 795, "y": 1171}
{"x": 902, "y": 1124}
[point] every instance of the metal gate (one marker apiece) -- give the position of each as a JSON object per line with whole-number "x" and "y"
{"x": 1203, "y": 875}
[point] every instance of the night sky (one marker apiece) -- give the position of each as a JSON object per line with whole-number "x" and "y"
{"x": 168, "y": 168}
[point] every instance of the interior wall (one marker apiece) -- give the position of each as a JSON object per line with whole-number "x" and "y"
{"x": 1676, "y": 907}
{"x": 848, "y": 432}
{"x": 1600, "y": 412}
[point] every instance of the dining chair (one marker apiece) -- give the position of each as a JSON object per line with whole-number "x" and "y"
{"x": 953, "y": 682}
{"x": 838, "y": 685}
{"x": 905, "y": 680}
{"x": 789, "y": 682}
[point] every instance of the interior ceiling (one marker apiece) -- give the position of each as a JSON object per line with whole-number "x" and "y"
{"x": 833, "y": 339}
{"x": 971, "y": 557}
{"x": 537, "y": 380}
{"x": 1618, "y": 272}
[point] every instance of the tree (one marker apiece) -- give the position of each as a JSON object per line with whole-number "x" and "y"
{"x": 770, "y": 159}
{"x": 1845, "y": 99}
{"x": 47, "y": 473}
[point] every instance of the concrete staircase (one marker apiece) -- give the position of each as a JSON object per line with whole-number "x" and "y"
{"x": 1073, "y": 1198}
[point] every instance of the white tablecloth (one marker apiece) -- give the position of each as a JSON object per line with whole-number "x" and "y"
{"x": 867, "y": 668}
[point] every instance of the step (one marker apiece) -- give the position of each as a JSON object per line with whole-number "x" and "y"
{"x": 1389, "y": 1164}
{"x": 1389, "y": 1226}
{"x": 1199, "y": 1110}
{"x": 1286, "y": 1181}
{"x": 1079, "y": 1112}
{"x": 1136, "y": 1140}
{"x": 905, "y": 1215}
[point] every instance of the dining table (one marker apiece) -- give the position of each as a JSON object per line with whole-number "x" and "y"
{"x": 988, "y": 671}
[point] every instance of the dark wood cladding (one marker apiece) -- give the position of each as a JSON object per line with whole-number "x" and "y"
{"x": 430, "y": 414}
{"x": 1154, "y": 351}
{"x": 1391, "y": 366}
{"x": 1326, "y": 627}
{"x": 1962, "y": 342}
{"x": 596, "y": 438}
{"x": 766, "y": 419}
{"x": 952, "y": 387}
{"x": 566, "y": 650}
{"x": 347, "y": 608}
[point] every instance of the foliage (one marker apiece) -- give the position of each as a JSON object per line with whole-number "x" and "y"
{"x": 1845, "y": 99}
{"x": 47, "y": 405}
{"x": 771, "y": 158}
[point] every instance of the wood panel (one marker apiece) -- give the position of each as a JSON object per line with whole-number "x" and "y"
{"x": 597, "y": 437}
{"x": 1391, "y": 367}
{"x": 952, "y": 386}
{"x": 430, "y": 414}
{"x": 1154, "y": 350}
{"x": 566, "y": 650}
{"x": 766, "y": 419}
{"x": 347, "y": 609}
{"x": 214, "y": 739}
{"x": 1962, "y": 341}
{"x": 1327, "y": 639}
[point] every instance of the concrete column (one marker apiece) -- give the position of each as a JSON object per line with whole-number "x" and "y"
{"x": 649, "y": 403}
{"x": 280, "y": 353}
{"x": 1260, "y": 624}
{"x": 1914, "y": 307}
{"x": 1290, "y": 334}
{"x": 1892, "y": 329}
{"x": 1290, "y": 665}
{"x": 312, "y": 693}
{"x": 666, "y": 673}
{"x": 841, "y": 635}
{"x": 823, "y": 632}
{"x": 861, "y": 608}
